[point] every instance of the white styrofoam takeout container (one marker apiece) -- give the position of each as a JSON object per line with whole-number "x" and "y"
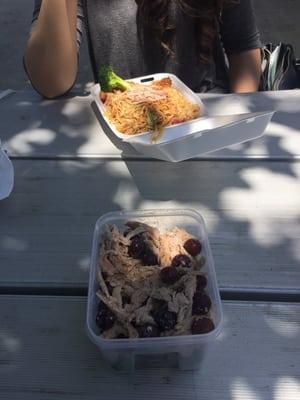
{"x": 192, "y": 138}
{"x": 185, "y": 352}
{"x": 147, "y": 80}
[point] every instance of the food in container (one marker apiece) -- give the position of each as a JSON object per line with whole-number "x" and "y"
{"x": 136, "y": 107}
{"x": 139, "y": 107}
{"x": 125, "y": 343}
{"x": 195, "y": 137}
{"x": 150, "y": 283}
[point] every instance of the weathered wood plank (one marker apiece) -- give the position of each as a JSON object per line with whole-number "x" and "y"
{"x": 45, "y": 354}
{"x": 251, "y": 211}
{"x": 30, "y": 126}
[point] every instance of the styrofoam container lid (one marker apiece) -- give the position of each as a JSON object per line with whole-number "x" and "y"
{"x": 195, "y": 137}
{"x": 6, "y": 175}
{"x": 215, "y": 134}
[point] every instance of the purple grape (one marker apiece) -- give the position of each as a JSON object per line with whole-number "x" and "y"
{"x": 136, "y": 247}
{"x": 169, "y": 275}
{"x": 201, "y": 303}
{"x": 201, "y": 282}
{"x": 165, "y": 319}
{"x": 181, "y": 260}
{"x": 202, "y": 325}
{"x": 193, "y": 247}
{"x": 105, "y": 318}
{"x": 149, "y": 258}
{"x": 147, "y": 331}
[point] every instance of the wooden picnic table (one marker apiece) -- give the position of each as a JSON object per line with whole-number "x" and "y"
{"x": 68, "y": 173}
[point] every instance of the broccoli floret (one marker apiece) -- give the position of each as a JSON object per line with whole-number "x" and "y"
{"x": 109, "y": 81}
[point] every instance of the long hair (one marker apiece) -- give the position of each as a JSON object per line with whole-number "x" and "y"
{"x": 205, "y": 13}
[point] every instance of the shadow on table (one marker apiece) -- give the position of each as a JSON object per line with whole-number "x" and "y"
{"x": 253, "y": 202}
{"x": 37, "y": 127}
{"x": 243, "y": 201}
{"x": 251, "y": 209}
{"x": 278, "y": 142}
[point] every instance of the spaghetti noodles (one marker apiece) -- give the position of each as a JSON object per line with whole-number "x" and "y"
{"x": 144, "y": 108}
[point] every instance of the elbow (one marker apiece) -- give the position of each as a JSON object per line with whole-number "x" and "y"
{"x": 52, "y": 87}
{"x": 49, "y": 83}
{"x": 53, "y": 91}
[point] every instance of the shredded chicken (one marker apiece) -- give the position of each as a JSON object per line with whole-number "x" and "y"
{"x": 122, "y": 276}
{"x": 143, "y": 94}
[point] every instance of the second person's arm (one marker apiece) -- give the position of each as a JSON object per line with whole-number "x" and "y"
{"x": 51, "y": 52}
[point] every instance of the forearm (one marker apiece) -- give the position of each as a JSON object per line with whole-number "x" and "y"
{"x": 245, "y": 71}
{"x": 51, "y": 54}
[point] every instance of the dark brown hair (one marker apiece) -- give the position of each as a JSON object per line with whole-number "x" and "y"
{"x": 205, "y": 13}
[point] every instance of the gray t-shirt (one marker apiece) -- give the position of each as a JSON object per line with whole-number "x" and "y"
{"x": 114, "y": 39}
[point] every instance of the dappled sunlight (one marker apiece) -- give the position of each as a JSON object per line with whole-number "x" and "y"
{"x": 91, "y": 143}
{"x": 76, "y": 167}
{"x": 24, "y": 104}
{"x": 69, "y": 172}
{"x": 272, "y": 219}
{"x": 283, "y": 322}
{"x": 128, "y": 197}
{"x": 240, "y": 389}
{"x": 34, "y": 126}
{"x": 211, "y": 217}
{"x": 258, "y": 147}
{"x": 289, "y": 137}
{"x": 11, "y": 243}
{"x": 76, "y": 131}
{"x": 9, "y": 343}
{"x": 125, "y": 196}
{"x": 25, "y": 142}
{"x": 118, "y": 169}
{"x": 287, "y": 388}
{"x": 282, "y": 134}
{"x": 73, "y": 109}
{"x": 84, "y": 263}
{"x": 84, "y": 86}
{"x": 221, "y": 106}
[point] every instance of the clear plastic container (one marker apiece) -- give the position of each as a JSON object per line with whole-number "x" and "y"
{"x": 184, "y": 352}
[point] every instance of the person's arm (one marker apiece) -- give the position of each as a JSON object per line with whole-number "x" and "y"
{"x": 241, "y": 41}
{"x": 50, "y": 56}
{"x": 245, "y": 71}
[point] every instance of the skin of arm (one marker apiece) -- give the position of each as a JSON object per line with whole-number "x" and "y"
{"x": 50, "y": 55}
{"x": 245, "y": 71}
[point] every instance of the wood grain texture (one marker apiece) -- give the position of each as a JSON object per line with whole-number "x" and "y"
{"x": 30, "y": 126}
{"x": 46, "y": 354}
{"x": 251, "y": 211}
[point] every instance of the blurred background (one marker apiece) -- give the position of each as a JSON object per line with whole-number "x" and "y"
{"x": 278, "y": 21}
